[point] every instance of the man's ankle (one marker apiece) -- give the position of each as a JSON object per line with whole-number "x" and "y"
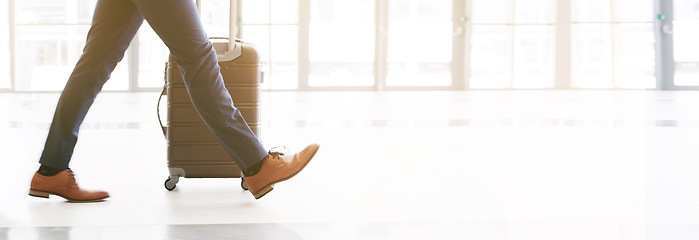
{"x": 48, "y": 171}
{"x": 254, "y": 169}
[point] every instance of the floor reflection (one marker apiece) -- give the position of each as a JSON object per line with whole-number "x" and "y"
{"x": 217, "y": 231}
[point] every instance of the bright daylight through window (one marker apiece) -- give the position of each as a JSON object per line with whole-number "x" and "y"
{"x": 272, "y": 25}
{"x": 613, "y": 44}
{"x": 341, "y": 44}
{"x": 419, "y": 43}
{"x": 372, "y": 44}
{"x": 512, "y": 44}
{"x": 5, "y": 79}
{"x": 686, "y": 37}
{"x": 51, "y": 35}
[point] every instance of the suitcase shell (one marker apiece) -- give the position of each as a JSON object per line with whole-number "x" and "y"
{"x": 193, "y": 151}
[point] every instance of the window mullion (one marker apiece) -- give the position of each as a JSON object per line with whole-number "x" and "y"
{"x": 459, "y": 68}
{"x": 512, "y": 26}
{"x": 380, "y": 44}
{"x": 13, "y": 39}
{"x": 134, "y": 54}
{"x": 614, "y": 27}
{"x": 303, "y": 41}
{"x": 270, "y": 68}
{"x": 563, "y": 78}
{"x": 664, "y": 48}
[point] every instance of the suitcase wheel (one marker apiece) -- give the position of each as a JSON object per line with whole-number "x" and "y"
{"x": 170, "y": 184}
{"x": 243, "y": 184}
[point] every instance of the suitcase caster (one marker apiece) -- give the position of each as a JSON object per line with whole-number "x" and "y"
{"x": 243, "y": 184}
{"x": 170, "y": 183}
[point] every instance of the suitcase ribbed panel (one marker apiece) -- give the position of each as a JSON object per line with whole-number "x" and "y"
{"x": 241, "y": 94}
{"x": 183, "y": 113}
{"x": 184, "y": 134}
{"x": 194, "y": 153}
{"x": 191, "y": 145}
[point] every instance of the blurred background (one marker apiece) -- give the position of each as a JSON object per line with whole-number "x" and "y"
{"x": 439, "y": 119}
{"x": 391, "y": 44}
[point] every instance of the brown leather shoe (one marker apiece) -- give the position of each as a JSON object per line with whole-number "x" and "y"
{"x": 277, "y": 167}
{"x": 63, "y": 184}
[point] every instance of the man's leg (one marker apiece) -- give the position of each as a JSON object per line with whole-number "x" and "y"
{"x": 114, "y": 24}
{"x": 178, "y": 24}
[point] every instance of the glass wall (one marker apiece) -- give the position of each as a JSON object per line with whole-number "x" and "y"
{"x": 686, "y": 37}
{"x": 512, "y": 44}
{"x": 613, "y": 44}
{"x": 272, "y": 25}
{"x": 419, "y": 43}
{"x": 341, "y": 43}
{"x": 5, "y": 79}
{"x": 50, "y": 35}
{"x": 152, "y": 56}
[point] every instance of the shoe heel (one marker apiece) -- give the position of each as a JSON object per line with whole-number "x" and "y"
{"x": 36, "y": 193}
{"x": 262, "y": 192}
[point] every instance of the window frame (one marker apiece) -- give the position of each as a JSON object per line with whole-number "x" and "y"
{"x": 461, "y": 58}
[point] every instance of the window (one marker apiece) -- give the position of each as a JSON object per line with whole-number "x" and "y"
{"x": 50, "y": 36}
{"x": 512, "y": 44}
{"x": 685, "y": 25}
{"x": 380, "y": 44}
{"x": 613, "y": 44}
{"x": 273, "y": 26}
{"x": 419, "y": 43}
{"x": 5, "y": 79}
{"x": 152, "y": 55}
{"x": 341, "y": 43}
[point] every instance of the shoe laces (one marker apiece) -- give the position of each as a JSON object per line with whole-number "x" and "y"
{"x": 277, "y": 151}
{"x": 73, "y": 183}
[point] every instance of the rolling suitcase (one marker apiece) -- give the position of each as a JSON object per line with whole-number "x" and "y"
{"x": 193, "y": 151}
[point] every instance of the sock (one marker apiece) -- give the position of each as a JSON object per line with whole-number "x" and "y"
{"x": 48, "y": 171}
{"x": 252, "y": 170}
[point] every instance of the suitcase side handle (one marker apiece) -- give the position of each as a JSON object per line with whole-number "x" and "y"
{"x": 160, "y": 99}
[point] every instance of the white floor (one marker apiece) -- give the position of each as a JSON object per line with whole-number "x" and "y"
{"x": 392, "y": 165}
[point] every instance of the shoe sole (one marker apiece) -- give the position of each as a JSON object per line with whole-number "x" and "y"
{"x": 269, "y": 187}
{"x": 45, "y": 194}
